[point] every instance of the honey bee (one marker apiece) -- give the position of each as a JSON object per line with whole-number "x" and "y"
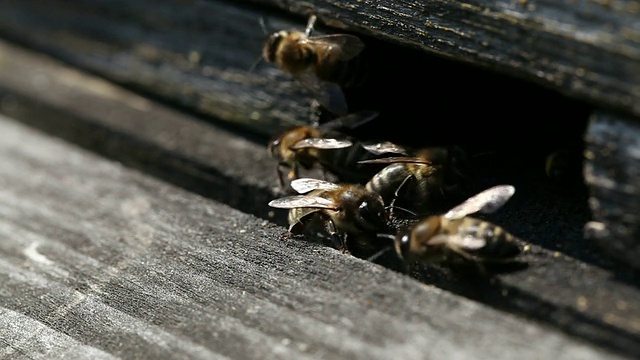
{"x": 427, "y": 181}
{"x": 343, "y": 216}
{"x": 456, "y": 238}
{"x": 323, "y": 64}
{"x": 307, "y": 145}
{"x": 348, "y": 164}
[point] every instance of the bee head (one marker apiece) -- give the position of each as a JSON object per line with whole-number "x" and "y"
{"x": 280, "y": 146}
{"x": 270, "y": 48}
{"x": 274, "y": 146}
{"x": 368, "y": 209}
{"x": 360, "y": 210}
{"x": 403, "y": 243}
{"x": 414, "y": 243}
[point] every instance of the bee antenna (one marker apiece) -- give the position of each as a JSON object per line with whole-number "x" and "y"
{"x": 393, "y": 206}
{"x": 255, "y": 64}
{"x": 379, "y": 253}
{"x": 263, "y": 25}
{"x": 386, "y": 236}
{"x": 401, "y": 208}
{"x": 310, "y": 24}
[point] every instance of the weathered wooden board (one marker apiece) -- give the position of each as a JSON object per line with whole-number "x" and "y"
{"x": 612, "y": 172}
{"x": 568, "y": 285}
{"x": 588, "y": 49}
{"x": 99, "y": 261}
{"x": 197, "y": 54}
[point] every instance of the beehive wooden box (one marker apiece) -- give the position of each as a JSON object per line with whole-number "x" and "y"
{"x": 165, "y": 87}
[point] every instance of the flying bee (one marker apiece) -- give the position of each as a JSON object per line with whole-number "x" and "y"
{"x": 343, "y": 216}
{"x": 426, "y": 181}
{"x": 307, "y": 145}
{"x": 456, "y": 238}
{"x": 323, "y": 64}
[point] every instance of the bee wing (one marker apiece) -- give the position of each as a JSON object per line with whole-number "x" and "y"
{"x": 384, "y": 148}
{"x": 486, "y": 202}
{"x": 397, "y": 159}
{"x": 342, "y": 46}
{"x": 350, "y": 121}
{"x": 302, "y": 201}
{"x": 456, "y": 241}
{"x": 328, "y": 94}
{"x": 304, "y": 185}
{"x": 322, "y": 143}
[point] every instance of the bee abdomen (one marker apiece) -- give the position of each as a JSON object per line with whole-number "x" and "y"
{"x": 387, "y": 181}
{"x": 344, "y": 163}
{"x": 500, "y": 244}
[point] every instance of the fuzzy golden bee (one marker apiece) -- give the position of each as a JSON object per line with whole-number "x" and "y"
{"x": 427, "y": 181}
{"x": 323, "y": 64}
{"x": 343, "y": 216}
{"x": 456, "y": 238}
{"x": 309, "y": 145}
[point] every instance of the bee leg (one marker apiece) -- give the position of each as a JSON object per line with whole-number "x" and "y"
{"x": 315, "y": 112}
{"x": 310, "y": 24}
{"x": 396, "y": 194}
{"x": 280, "y": 176}
{"x": 343, "y": 246}
{"x": 325, "y": 175}
{"x": 293, "y": 174}
{"x": 337, "y": 241}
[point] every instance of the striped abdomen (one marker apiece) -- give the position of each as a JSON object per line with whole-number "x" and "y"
{"x": 344, "y": 163}
{"x": 418, "y": 185}
{"x": 499, "y": 243}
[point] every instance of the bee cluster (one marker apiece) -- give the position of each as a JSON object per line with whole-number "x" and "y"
{"x": 377, "y": 181}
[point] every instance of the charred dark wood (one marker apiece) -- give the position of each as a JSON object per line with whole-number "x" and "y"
{"x": 612, "y": 173}
{"x": 590, "y": 51}
{"x": 197, "y": 54}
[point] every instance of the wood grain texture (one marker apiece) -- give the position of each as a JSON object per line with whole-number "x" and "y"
{"x": 99, "y": 261}
{"x": 429, "y": 58}
{"x": 196, "y": 53}
{"x": 588, "y": 49}
{"x": 567, "y": 284}
{"x": 612, "y": 173}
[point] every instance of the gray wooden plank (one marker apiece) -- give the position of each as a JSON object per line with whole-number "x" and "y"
{"x": 106, "y": 258}
{"x": 111, "y": 118}
{"x": 568, "y": 284}
{"x": 24, "y": 337}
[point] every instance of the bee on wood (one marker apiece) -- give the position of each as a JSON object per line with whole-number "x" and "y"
{"x": 307, "y": 145}
{"x": 343, "y": 216}
{"x": 456, "y": 238}
{"x": 323, "y": 64}
{"x": 427, "y": 181}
